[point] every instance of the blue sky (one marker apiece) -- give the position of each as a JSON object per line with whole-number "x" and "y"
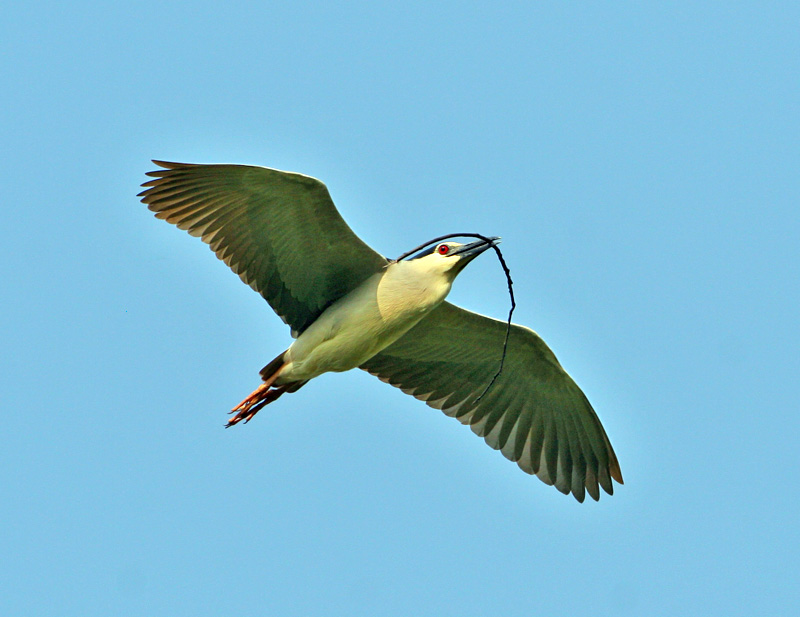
{"x": 640, "y": 161}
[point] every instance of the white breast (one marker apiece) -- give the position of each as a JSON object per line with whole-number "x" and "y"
{"x": 366, "y": 320}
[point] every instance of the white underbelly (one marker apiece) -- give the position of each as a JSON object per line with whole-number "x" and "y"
{"x": 354, "y": 329}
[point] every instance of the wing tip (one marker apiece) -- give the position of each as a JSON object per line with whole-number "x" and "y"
{"x": 159, "y": 176}
{"x": 166, "y": 165}
{"x": 615, "y": 471}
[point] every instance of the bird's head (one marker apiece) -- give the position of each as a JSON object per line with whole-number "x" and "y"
{"x": 450, "y": 258}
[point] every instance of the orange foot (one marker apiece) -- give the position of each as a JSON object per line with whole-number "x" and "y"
{"x": 258, "y": 399}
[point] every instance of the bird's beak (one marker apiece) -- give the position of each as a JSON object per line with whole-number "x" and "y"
{"x": 473, "y": 249}
{"x": 468, "y": 252}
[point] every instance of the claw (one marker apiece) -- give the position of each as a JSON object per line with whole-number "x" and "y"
{"x": 256, "y": 401}
{"x": 253, "y": 398}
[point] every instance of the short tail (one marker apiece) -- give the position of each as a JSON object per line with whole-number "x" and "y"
{"x": 273, "y": 368}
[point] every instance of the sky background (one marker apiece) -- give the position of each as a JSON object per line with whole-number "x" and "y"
{"x": 640, "y": 161}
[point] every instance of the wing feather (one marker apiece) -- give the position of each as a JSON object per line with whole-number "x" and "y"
{"x": 279, "y": 231}
{"x": 534, "y": 413}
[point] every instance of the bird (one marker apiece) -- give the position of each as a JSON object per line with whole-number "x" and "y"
{"x": 349, "y": 307}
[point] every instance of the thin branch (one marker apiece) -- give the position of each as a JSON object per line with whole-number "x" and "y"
{"x": 510, "y": 292}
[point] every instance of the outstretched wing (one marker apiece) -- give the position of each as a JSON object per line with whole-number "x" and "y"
{"x": 279, "y": 231}
{"x": 534, "y": 413}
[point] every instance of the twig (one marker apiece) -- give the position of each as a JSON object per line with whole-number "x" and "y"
{"x": 510, "y": 293}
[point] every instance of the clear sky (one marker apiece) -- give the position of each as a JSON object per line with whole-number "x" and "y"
{"x": 640, "y": 161}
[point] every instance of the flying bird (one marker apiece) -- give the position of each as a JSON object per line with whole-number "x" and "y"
{"x": 348, "y": 306}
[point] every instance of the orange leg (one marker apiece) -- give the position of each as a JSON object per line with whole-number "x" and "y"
{"x": 247, "y": 412}
{"x": 250, "y": 406}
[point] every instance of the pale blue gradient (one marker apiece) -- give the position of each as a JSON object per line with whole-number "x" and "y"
{"x": 641, "y": 162}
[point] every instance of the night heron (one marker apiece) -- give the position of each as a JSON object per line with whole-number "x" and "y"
{"x": 349, "y": 307}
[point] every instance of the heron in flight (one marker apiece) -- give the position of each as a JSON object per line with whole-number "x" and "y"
{"x": 348, "y": 306}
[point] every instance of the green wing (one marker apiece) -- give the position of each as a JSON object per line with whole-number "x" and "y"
{"x": 279, "y": 231}
{"x": 534, "y": 413}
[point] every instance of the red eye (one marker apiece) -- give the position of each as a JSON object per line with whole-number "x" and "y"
{"x": 442, "y": 249}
